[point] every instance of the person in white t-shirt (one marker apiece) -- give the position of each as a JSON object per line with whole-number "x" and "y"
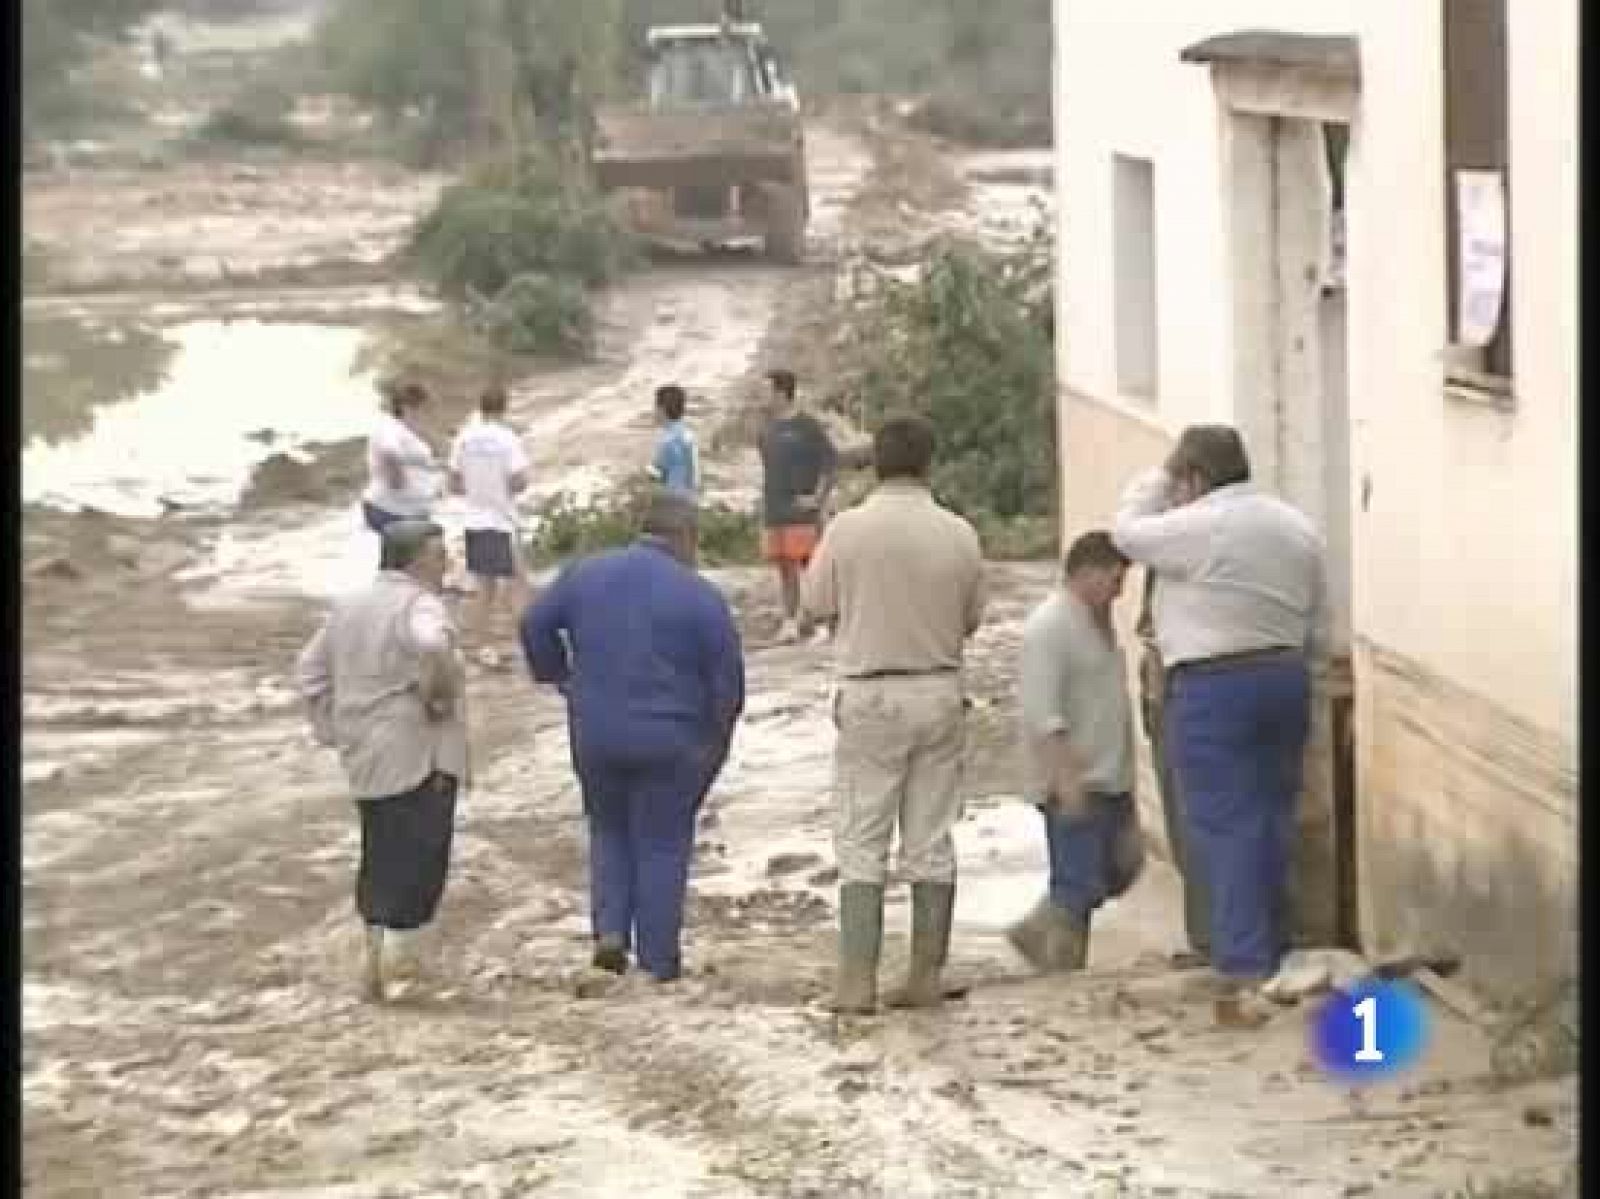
{"x": 490, "y": 468}
{"x": 400, "y": 462}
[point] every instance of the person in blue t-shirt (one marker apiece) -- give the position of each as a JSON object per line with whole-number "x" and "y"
{"x": 676, "y": 465}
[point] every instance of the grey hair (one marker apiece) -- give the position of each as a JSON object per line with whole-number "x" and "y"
{"x": 668, "y": 514}
{"x": 403, "y": 541}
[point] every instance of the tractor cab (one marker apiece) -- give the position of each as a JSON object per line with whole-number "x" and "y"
{"x": 714, "y": 66}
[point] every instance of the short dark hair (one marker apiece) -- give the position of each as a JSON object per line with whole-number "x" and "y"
{"x": 493, "y": 401}
{"x": 398, "y": 396}
{"x": 402, "y": 542}
{"x": 1214, "y": 452}
{"x": 671, "y": 400}
{"x": 902, "y": 448}
{"x": 1094, "y": 549}
{"x": 783, "y": 382}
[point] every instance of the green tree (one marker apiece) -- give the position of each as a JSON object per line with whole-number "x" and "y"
{"x": 473, "y": 72}
{"x": 56, "y": 38}
{"x": 969, "y": 344}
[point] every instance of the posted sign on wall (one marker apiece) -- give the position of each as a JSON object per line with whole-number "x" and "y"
{"x": 1481, "y": 229}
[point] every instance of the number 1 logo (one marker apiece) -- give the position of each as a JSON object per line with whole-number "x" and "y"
{"x": 1367, "y": 1012}
{"x": 1374, "y": 1030}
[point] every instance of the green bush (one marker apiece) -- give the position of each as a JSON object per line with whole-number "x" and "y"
{"x": 540, "y": 314}
{"x": 426, "y": 61}
{"x": 567, "y": 529}
{"x": 59, "y": 40}
{"x": 969, "y": 345}
{"x": 488, "y": 230}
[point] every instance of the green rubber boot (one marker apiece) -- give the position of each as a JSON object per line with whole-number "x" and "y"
{"x": 860, "y": 939}
{"x": 932, "y": 911}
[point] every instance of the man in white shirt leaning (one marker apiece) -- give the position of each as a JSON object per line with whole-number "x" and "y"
{"x": 400, "y": 462}
{"x": 1238, "y": 611}
{"x": 489, "y": 467}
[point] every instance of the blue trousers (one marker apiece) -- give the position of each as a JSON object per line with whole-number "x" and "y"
{"x": 641, "y": 817}
{"x": 1082, "y": 847}
{"x": 1236, "y": 736}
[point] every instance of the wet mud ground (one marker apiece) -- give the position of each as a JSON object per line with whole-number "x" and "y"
{"x": 191, "y": 1025}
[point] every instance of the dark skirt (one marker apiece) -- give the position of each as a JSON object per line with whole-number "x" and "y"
{"x": 405, "y": 854}
{"x": 376, "y": 518}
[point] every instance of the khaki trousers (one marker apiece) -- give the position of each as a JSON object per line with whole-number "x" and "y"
{"x": 898, "y": 764}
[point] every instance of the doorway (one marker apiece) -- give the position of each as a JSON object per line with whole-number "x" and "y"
{"x": 1286, "y": 208}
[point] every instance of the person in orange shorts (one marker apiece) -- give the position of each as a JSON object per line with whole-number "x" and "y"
{"x": 799, "y": 465}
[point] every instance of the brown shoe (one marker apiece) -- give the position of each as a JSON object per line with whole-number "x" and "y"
{"x": 1242, "y": 1011}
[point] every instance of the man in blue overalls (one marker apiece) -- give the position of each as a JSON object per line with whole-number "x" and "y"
{"x": 1239, "y": 608}
{"x": 649, "y": 658}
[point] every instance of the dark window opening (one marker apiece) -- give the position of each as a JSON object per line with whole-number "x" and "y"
{"x": 1476, "y": 138}
{"x": 1336, "y": 143}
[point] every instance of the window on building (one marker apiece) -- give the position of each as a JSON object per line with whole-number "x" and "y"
{"x": 1134, "y": 252}
{"x": 1477, "y": 190}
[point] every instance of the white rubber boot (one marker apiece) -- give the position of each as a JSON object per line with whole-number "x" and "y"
{"x": 372, "y": 964}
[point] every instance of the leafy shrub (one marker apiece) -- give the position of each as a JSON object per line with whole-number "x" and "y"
{"x": 567, "y": 529}
{"x": 428, "y": 62}
{"x": 489, "y": 229}
{"x": 539, "y": 314}
{"x": 968, "y": 344}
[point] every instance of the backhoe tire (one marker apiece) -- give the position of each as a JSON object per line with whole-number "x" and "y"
{"x": 785, "y": 240}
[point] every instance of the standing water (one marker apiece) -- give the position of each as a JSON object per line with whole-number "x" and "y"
{"x": 234, "y": 393}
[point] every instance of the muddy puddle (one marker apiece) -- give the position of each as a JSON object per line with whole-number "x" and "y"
{"x": 210, "y": 401}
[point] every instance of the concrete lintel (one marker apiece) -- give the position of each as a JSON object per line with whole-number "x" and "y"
{"x": 1311, "y": 77}
{"x": 1329, "y": 54}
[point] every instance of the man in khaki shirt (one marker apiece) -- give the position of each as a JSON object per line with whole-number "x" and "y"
{"x": 903, "y": 579}
{"x": 382, "y": 680}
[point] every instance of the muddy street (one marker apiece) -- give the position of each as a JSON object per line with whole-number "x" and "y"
{"x": 192, "y": 1025}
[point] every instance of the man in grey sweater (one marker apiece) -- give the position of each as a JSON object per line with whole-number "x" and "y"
{"x": 383, "y": 681}
{"x": 1078, "y": 739}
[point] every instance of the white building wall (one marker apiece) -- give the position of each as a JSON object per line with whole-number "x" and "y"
{"x": 1467, "y": 549}
{"x": 1464, "y": 529}
{"x": 1121, "y": 89}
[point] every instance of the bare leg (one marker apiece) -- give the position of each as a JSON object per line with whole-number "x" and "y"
{"x": 517, "y": 595}
{"x": 789, "y": 581}
{"x": 789, "y": 586}
{"x": 481, "y": 625}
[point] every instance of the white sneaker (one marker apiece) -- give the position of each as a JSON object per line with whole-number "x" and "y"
{"x": 489, "y": 659}
{"x": 788, "y": 633}
{"x": 821, "y": 636}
